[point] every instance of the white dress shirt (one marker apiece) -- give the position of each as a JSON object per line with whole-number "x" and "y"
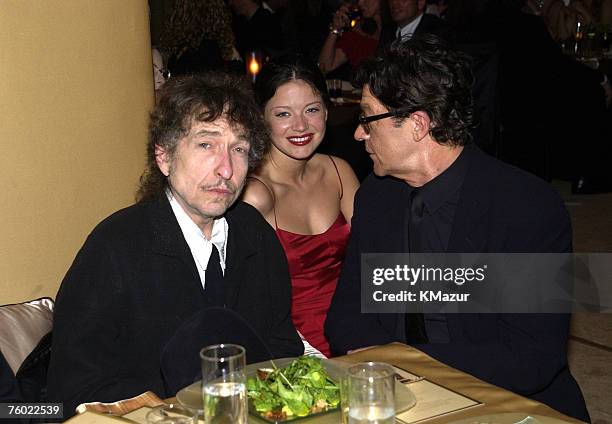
{"x": 200, "y": 246}
{"x": 201, "y": 249}
{"x": 407, "y": 31}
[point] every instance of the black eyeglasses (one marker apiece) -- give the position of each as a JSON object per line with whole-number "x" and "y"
{"x": 364, "y": 121}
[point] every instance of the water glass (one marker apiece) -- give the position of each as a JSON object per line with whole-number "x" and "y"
{"x": 171, "y": 414}
{"x": 334, "y": 87}
{"x": 369, "y": 394}
{"x": 224, "y": 384}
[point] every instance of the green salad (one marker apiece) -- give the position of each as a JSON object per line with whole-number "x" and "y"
{"x": 302, "y": 388}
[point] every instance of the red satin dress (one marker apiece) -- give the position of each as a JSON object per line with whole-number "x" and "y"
{"x": 315, "y": 262}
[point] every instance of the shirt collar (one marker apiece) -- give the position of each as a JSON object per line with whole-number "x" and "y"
{"x": 199, "y": 245}
{"x": 408, "y": 30}
{"x": 442, "y": 188}
{"x": 267, "y": 7}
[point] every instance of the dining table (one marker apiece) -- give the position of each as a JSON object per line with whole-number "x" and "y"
{"x": 443, "y": 395}
{"x": 492, "y": 400}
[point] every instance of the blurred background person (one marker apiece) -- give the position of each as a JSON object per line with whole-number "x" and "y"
{"x": 306, "y": 197}
{"x": 469, "y": 27}
{"x": 409, "y": 18}
{"x": 160, "y": 73}
{"x": 539, "y": 86}
{"x": 197, "y": 36}
{"x": 562, "y": 17}
{"x": 256, "y": 28}
{"x": 353, "y": 35}
{"x": 436, "y": 7}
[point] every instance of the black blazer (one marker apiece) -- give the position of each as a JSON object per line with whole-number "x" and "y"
{"x": 132, "y": 285}
{"x": 501, "y": 210}
{"x": 430, "y": 24}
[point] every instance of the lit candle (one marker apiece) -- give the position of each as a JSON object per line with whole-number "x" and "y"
{"x": 253, "y": 65}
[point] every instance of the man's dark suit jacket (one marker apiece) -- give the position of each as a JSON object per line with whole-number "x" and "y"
{"x": 501, "y": 210}
{"x": 430, "y": 24}
{"x": 135, "y": 281}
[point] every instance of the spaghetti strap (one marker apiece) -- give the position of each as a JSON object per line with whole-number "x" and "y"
{"x": 339, "y": 179}
{"x": 273, "y": 198}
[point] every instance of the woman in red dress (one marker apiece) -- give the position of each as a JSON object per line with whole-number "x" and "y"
{"x": 353, "y": 44}
{"x": 305, "y": 196}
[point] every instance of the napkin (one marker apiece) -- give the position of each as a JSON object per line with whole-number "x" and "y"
{"x": 122, "y": 407}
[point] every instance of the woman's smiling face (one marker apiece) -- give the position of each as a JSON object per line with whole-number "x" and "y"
{"x": 296, "y": 116}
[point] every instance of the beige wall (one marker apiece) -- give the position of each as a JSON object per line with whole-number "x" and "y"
{"x": 75, "y": 91}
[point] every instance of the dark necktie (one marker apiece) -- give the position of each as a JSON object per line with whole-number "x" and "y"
{"x": 417, "y": 208}
{"x": 213, "y": 284}
{"x": 415, "y": 324}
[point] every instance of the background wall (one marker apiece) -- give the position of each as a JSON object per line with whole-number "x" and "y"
{"x": 75, "y": 91}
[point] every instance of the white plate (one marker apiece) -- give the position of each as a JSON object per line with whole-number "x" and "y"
{"x": 191, "y": 396}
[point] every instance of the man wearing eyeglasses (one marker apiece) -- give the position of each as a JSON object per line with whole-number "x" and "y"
{"x": 434, "y": 191}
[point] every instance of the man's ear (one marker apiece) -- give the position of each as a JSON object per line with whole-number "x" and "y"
{"x": 421, "y": 5}
{"x": 162, "y": 158}
{"x": 421, "y": 123}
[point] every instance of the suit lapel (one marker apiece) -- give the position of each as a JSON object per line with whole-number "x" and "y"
{"x": 469, "y": 232}
{"x": 168, "y": 239}
{"x": 240, "y": 246}
{"x": 386, "y": 215}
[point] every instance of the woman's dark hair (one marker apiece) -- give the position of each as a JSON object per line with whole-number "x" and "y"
{"x": 426, "y": 74}
{"x": 200, "y": 98}
{"x": 285, "y": 69}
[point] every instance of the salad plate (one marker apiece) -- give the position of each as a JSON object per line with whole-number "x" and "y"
{"x": 293, "y": 389}
{"x": 191, "y": 396}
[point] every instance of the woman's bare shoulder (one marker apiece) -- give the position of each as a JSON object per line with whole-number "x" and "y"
{"x": 257, "y": 193}
{"x": 344, "y": 169}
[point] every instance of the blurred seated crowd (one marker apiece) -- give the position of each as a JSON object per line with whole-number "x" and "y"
{"x": 527, "y": 59}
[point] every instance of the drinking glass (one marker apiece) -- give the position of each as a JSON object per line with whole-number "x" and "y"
{"x": 334, "y": 87}
{"x": 171, "y": 414}
{"x": 370, "y": 391}
{"x": 224, "y": 384}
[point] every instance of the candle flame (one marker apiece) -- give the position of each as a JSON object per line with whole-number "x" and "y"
{"x": 254, "y": 67}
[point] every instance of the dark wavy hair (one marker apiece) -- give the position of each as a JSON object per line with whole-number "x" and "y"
{"x": 204, "y": 97}
{"x": 426, "y": 74}
{"x": 288, "y": 68}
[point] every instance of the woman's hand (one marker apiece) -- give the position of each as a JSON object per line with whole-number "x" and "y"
{"x": 341, "y": 19}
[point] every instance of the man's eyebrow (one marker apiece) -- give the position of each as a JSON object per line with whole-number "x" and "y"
{"x": 242, "y": 138}
{"x": 208, "y": 132}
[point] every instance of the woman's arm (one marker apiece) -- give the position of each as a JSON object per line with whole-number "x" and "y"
{"x": 331, "y": 57}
